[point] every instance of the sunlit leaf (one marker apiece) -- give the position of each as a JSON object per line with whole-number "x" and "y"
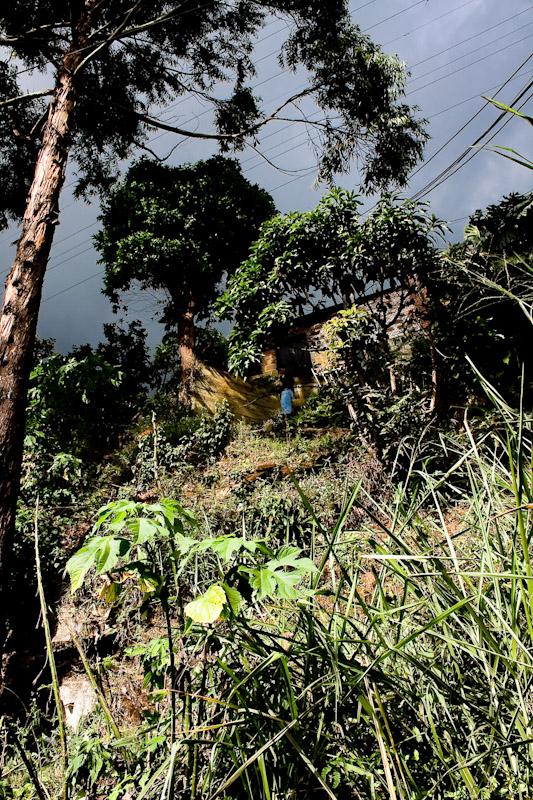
{"x": 207, "y": 608}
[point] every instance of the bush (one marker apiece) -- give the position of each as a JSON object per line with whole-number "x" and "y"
{"x": 185, "y": 441}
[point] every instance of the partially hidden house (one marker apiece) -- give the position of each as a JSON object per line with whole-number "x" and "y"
{"x": 299, "y": 349}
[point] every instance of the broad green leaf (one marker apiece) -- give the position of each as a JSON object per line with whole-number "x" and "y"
{"x": 286, "y": 583}
{"x": 289, "y": 556}
{"x": 147, "y": 531}
{"x": 262, "y": 580}
{"x": 227, "y": 546}
{"x": 81, "y": 562}
{"x": 184, "y": 543}
{"x": 234, "y": 598}
{"x": 109, "y": 553}
{"x": 207, "y": 608}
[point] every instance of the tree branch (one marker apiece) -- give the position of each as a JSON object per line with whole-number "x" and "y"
{"x": 112, "y": 36}
{"x": 22, "y": 37}
{"x": 156, "y": 123}
{"x": 276, "y": 167}
{"x": 120, "y": 33}
{"x": 22, "y": 97}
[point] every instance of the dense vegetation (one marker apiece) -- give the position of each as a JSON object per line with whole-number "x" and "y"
{"x": 334, "y": 605}
{"x": 112, "y": 68}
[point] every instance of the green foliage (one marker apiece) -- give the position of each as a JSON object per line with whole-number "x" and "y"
{"x": 179, "y": 229}
{"x": 317, "y": 257}
{"x": 409, "y": 657}
{"x": 213, "y": 433}
{"x": 60, "y": 387}
{"x": 125, "y": 348}
{"x": 156, "y": 542}
{"x": 155, "y": 659}
{"x": 186, "y": 440}
{"x": 390, "y": 652}
{"x": 484, "y": 312}
{"x": 160, "y": 52}
{"x": 79, "y": 403}
{"x": 356, "y": 381}
{"x": 141, "y": 526}
{"x": 75, "y": 411}
{"x": 78, "y": 406}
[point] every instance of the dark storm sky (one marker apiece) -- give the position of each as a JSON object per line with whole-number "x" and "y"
{"x": 484, "y": 41}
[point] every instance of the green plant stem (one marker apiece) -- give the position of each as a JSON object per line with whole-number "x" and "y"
{"x": 94, "y": 683}
{"x": 166, "y": 611}
{"x": 199, "y": 720}
{"x": 40, "y": 790}
{"x": 50, "y": 655}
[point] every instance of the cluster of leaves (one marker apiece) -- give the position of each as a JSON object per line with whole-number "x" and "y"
{"x": 485, "y": 300}
{"x": 376, "y": 383}
{"x": 78, "y": 405}
{"x": 319, "y": 257}
{"x": 192, "y": 440}
{"x": 155, "y": 543}
{"x": 179, "y": 229}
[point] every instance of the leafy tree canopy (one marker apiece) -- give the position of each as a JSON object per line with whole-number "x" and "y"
{"x": 504, "y": 228}
{"x": 137, "y": 58}
{"x": 483, "y": 282}
{"x": 180, "y": 229}
{"x": 307, "y": 259}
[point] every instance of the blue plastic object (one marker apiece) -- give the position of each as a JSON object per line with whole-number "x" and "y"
{"x": 287, "y": 396}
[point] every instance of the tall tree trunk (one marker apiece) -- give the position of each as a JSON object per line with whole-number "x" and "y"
{"x": 186, "y": 346}
{"x": 18, "y": 319}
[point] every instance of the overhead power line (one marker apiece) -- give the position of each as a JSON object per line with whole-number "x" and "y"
{"x": 475, "y": 151}
{"x": 430, "y": 22}
{"x": 477, "y": 49}
{"x": 73, "y": 286}
{"x": 459, "y": 162}
{"x": 474, "y": 36}
{"x": 397, "y": 14}
{"x": 513, "y": 75}
{"x": 466, "y": 66}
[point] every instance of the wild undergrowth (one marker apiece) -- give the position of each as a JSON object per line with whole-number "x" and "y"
{"x": 389, "y": 655}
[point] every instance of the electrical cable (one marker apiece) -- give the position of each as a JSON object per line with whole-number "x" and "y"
{"x": 429, "y": 22}
{"x": 461, "y": 162}
{"x": 466, "y": 152}
{"x": 475, "y": 50}
{"x": 470, "y": 38}
{"x": 472, "y": 118}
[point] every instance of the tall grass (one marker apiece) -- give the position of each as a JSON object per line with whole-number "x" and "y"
{"x": 407, "y": 673}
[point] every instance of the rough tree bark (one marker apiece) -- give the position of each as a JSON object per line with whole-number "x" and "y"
{"x": 186, "y": 347}
{"x": 18, "y": 320}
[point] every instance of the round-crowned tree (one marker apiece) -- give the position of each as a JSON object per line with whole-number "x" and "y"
{"x": 180, "y": 231}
